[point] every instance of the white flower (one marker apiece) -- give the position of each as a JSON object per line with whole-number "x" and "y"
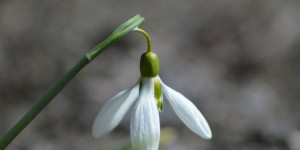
{"x": 145, "y": 126}
{"x": 147, "y": 95}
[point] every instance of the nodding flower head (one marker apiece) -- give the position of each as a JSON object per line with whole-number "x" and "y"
{"x": 146, "y": 97}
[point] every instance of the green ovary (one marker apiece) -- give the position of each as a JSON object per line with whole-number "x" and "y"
{"x": 149, "y": 64}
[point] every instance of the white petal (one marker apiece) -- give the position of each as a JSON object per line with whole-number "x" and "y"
{"x": 187, "y": 112}
{"x": 145, "y": 127}
{"x": 114, "y": 110}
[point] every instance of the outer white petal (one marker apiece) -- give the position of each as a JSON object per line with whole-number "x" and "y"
{"x": 114, "y": 110}
{"x": 187, "y": 112}
{"x": 145, "y": 127}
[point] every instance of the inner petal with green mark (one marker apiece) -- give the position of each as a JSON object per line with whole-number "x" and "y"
{"x": 158, "y": 95}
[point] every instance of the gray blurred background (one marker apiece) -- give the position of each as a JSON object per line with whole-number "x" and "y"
{"x": 237, "y": 60}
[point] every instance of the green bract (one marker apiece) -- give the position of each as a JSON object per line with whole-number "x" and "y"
{"x": 149, "y": 64}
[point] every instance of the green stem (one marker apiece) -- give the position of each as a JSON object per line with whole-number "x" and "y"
{"x": 42, "y": 103}
{"x": 119, "y": 32}
{"x": 147, "y": 37}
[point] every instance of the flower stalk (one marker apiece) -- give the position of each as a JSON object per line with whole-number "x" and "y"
{"x": 149, "y": 48}
{"x": 118, "y": 33}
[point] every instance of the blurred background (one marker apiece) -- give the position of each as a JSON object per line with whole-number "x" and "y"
{"x": 237, "y": 60}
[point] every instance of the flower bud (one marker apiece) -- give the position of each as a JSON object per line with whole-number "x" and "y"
{"x": 149, "y": 64}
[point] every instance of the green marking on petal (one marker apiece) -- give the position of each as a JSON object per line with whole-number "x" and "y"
{"x": 160, "y": 105}
{"x": 158, "y": 95}
{"x": 157, "y": 90}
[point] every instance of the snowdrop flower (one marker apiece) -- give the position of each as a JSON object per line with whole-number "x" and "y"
{"x": 146, "y": 97}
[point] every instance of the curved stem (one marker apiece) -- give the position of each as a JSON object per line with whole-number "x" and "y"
{"x": 147, "y": 37}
